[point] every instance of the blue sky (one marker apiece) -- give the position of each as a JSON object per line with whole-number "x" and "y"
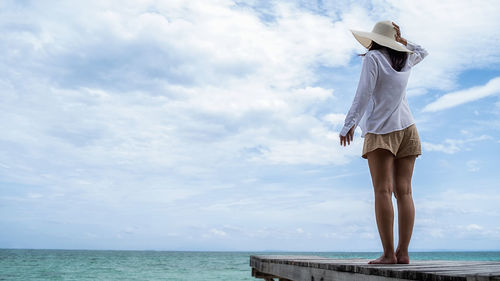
{"x": 213, "y": 125}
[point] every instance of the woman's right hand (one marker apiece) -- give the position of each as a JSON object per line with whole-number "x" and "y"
{"x": 398, "y": 37}
{"x": 348, "y": 137}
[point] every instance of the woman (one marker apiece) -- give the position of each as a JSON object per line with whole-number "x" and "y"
{"x": 391, "y": 141}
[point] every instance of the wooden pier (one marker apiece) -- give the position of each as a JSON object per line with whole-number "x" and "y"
{"x": 315, "y": 268}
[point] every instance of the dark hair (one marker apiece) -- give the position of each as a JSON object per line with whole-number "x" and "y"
{"x": 398, "y": 59}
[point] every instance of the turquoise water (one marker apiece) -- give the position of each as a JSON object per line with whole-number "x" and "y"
{"x": 162, "y": 265}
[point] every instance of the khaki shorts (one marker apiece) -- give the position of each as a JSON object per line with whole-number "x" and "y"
{"x": 401, "y": 143}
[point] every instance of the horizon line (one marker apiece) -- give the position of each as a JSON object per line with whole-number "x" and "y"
{"x": 284, "y": 251}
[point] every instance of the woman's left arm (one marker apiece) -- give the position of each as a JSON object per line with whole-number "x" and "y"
{"x": 419, "y": 53}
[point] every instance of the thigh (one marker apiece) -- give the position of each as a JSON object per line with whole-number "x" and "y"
{"x": 381, "y": 163}
{"x": 403, "y": 172}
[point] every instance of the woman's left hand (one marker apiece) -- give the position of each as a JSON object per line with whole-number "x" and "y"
{"x": 348, "y": 137}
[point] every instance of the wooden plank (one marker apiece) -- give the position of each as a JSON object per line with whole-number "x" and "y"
{"x": 314, "y": 274}
{"x": 299, "y": 268}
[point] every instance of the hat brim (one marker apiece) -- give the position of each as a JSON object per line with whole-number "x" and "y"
{"x": 366, "y": 38}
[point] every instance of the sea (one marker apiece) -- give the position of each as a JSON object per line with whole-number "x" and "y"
{"x": 25, "y": 264}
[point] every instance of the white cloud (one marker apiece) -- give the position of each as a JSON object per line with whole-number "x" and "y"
{"x": 460, "y": 97}
{"x": 440, "y": 147}
{"x": 451, "y": 146}
{"x": 415, "y": 92}
{"x": 477, "y": 210}
{"x": 214, "y": 72}
{"x": 91, "y": 235}
{"x": 32, "y": 195}
{"x": 217, "y": 232}
{"x": 335, "y": 118}
{"x": 473, "y": 165}
{"x": 472, "y": 227}
{"x": 322, "y": 152}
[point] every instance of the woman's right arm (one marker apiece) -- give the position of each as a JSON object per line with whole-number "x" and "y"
{"x": 418, "y": 54}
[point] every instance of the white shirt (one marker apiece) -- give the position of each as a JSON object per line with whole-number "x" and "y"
{"x": 380, "y": 104}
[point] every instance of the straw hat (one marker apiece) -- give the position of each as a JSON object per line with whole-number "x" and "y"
{"x": 383, "y": 33}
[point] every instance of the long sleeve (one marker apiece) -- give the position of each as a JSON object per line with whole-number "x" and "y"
{"x": 418, "y": 55}
{"x": 365, "y": 89}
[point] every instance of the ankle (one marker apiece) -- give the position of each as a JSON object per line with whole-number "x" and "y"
{"x": 400, "y": 252}
{"x": 389, "y": 255}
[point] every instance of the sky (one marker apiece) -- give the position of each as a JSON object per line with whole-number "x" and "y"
{"x": 214, "y": 125}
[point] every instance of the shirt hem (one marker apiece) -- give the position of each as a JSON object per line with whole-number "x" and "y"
{"x": 384, "y": 132}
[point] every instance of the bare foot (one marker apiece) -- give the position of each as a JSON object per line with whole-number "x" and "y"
{"x": 384, "y": 260}
{"x": 402, "y": 257}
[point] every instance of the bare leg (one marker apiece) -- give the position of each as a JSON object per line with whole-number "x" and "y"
{"x": 403, "y": 171}
{"x": 381, "y": 163}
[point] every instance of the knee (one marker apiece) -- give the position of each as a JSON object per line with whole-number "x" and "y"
{"x": 384, "y": 189}
{"x": 402, "y": 191}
